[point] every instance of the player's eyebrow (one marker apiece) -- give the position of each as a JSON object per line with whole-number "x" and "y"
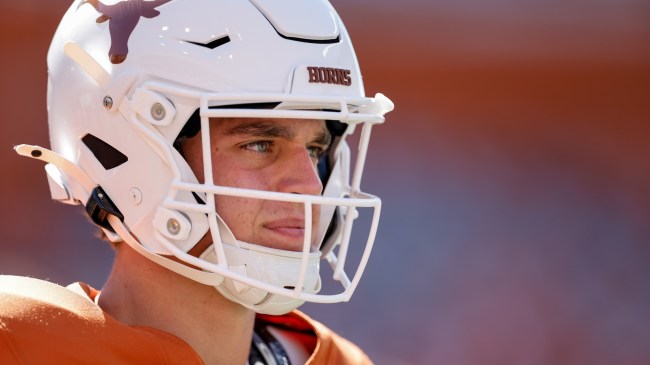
{"x": 262, "y": 129}
{"x": 324, "y": 137}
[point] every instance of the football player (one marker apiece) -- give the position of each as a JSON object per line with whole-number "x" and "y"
{"x": 209, "y": 140}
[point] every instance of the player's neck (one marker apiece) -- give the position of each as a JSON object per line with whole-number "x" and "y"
{"x": 140, "y": 292}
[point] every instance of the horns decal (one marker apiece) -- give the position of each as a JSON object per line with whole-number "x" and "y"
{"x": 122, "y": 18}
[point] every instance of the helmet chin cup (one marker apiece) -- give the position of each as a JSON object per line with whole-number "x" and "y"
{"x": 283, "y": 267}
{"x": 273, "y": 267}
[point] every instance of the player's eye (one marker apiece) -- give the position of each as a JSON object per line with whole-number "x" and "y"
{"x": 258, "y": 146}
{"x": 316, "y": 152}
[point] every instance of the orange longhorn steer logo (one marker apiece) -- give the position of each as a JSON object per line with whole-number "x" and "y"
{"x": 122, "y": 18}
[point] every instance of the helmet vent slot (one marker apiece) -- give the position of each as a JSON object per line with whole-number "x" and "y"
{"x": 213, "y": 44}
{"x": 106, "y": 154}
{"x": 267, "y": 105}
{"x": 315, "y": 41}
{"x": 303, "y": 21}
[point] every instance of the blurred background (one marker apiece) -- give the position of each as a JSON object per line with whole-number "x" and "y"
{"x": 514, "y": 173}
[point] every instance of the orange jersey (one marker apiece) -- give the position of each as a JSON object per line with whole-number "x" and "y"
{"x": 44, "y": 323}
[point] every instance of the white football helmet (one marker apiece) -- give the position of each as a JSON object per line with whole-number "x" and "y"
{"x": 128, "y": 79}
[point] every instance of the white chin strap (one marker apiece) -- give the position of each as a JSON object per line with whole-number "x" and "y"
{"x": 272, "y": 267}
{"x": 279, "y": 268}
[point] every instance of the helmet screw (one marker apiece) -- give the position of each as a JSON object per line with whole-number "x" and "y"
{"x": 108, "y": 102}
{"x": 136, "y": 196}
{"x": 158, "y": 111}
{"x": 173, "y": 226}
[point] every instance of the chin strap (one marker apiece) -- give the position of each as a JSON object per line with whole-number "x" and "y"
{"x": 68, "y": 182}
{"x": 79, "y": 187}
{"x": 203, "y": 277}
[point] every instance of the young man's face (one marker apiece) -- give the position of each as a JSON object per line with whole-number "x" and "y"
{"x": 264, "y": 154}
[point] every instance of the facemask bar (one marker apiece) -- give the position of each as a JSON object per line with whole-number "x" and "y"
{"x": 337, "y": 264}
{"x": 343, "y": 115}
{"x": 366, "y": 111}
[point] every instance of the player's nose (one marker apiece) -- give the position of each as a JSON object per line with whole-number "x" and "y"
{"x": 298, "y": 173}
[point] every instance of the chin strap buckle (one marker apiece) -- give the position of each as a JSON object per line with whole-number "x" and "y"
{"x": 99, "y": 207}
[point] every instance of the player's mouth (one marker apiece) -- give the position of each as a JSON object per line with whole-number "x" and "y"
{"x": 291, "y": 231}
{"x": 293, "y": 227}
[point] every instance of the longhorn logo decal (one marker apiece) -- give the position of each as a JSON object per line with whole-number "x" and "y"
{"x": 122, "y": 19}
